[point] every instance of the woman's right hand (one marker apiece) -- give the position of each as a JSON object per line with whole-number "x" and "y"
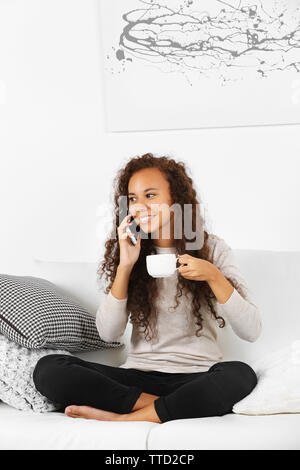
{"x": 129, "y": 253}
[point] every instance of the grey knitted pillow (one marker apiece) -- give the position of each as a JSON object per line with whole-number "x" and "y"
{"x": 35, "y": 314}
{"x": 17, "y": 388}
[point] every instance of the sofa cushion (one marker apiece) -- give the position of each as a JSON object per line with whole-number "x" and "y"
{"x": 35, "y": 314}
{"x": 273, "y": 279}
{"x": 23, "y": 430}
{"x": 278, "y": 386}
{"x": 228, "y": 432}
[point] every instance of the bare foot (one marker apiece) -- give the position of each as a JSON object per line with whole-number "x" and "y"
{"x": 148, "y": 413}
{"x": 88, "y": 412}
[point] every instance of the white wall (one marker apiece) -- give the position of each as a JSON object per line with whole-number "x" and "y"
{"x": 57, "y": 160}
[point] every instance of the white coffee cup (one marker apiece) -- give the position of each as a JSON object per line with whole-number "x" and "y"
{"x": 161, "y": 265}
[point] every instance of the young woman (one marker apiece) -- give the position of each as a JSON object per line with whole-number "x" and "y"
{"x": 177, "y": 371}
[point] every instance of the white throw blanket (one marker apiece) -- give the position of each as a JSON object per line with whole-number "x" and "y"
{"x": 17, "y": 388}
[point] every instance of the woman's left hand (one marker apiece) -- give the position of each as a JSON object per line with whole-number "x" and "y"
{"x": 196, "y": 269}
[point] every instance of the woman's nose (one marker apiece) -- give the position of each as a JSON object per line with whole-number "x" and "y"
{"x": 140, "y": 209}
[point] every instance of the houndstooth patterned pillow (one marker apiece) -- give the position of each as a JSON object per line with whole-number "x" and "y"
{"x": 35, "y": 314}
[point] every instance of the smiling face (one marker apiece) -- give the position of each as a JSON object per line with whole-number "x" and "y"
{"x": 149, "y": 200}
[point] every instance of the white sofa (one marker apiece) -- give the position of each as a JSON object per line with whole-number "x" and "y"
{"x": 274, "y": 279}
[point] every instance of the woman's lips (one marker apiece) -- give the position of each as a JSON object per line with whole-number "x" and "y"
{"x": 146, "y": 219}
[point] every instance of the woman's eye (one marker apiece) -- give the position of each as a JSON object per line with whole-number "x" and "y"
{"x": 132, "y": 198}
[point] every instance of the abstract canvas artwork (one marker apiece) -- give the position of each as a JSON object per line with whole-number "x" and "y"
{"x": 174, "y": 64}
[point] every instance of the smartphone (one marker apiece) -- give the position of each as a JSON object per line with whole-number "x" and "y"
{"x": 133, "y": 231}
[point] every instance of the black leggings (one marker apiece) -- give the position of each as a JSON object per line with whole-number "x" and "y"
{"x": 68, "y": 380}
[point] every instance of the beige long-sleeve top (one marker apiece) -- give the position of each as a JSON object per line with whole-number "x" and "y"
{"x": 177, "y": 349}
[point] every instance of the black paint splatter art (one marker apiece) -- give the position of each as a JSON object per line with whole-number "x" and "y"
{"x": 230, "y": 41}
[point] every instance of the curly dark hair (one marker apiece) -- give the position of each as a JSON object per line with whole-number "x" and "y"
{"x": 142, "y": 288}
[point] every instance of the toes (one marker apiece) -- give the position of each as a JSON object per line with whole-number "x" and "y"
{"x": 80, "y": 411}
{"x": 72, "y": 411}
{"x": 73, "y": 416}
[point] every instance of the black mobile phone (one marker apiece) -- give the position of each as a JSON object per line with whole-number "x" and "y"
{"x": 133, "y": 230}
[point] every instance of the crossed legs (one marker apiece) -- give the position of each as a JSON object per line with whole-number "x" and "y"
{"x": 72, "y": 382}
{"x": 211, "y": 393}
